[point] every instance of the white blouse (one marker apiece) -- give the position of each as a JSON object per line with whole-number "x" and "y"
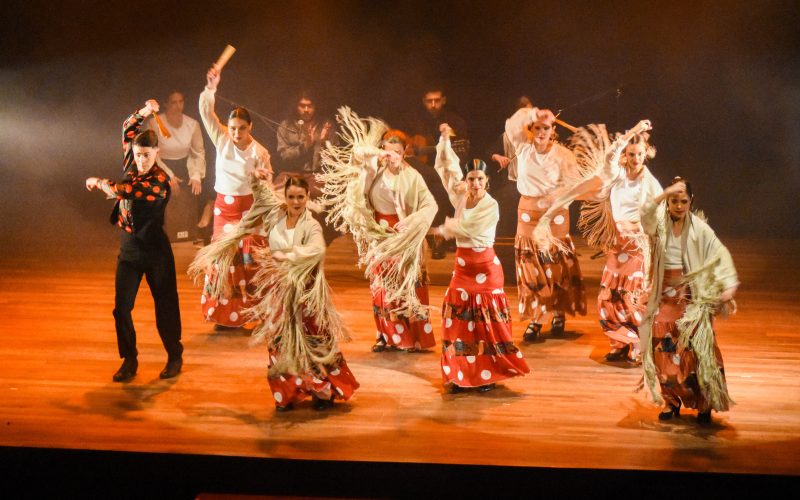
{"x": 382, "y": 194}
{"x": 625, "y": 197}
{"x": 673, "y": 258}
{"x": 484, "y": 238}
{"x": 281, "y": 238}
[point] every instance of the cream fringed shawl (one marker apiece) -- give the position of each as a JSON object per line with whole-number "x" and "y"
{"x": 710, "y": 272}
{"x": 348, "y": 172}
{"x": 598, "y": 160}
{"x": 285, "y": 290}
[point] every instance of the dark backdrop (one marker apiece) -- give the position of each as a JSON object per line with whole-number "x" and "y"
{"x": 719, "y": 80}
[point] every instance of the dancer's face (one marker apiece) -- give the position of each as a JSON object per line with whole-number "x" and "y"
{"x": 145, "y": 158}
{"x": 635, "y": 155}
{"x": 175, "y": 103}
{"x": 678, "y": 205}
{"x": 542, "y": 134}
{"x": 296, "y": 199}
{"x": 240, "y": 132}
{"x": 476, "y": 182}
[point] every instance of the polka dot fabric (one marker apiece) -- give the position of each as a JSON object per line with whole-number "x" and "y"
{"x": 228, "y": 211}
{"x": 622, "y": 299}
{"x": 676, "y": 365}
{"x": 397, "y": 330}
{"x": 546, "y": 285}
{"x": 227, "y": 311}
{"x": 477, "y": 342}
{"x": 336, "y": 380}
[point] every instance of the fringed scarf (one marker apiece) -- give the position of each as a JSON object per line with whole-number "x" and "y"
{"x": 395, "y": 256}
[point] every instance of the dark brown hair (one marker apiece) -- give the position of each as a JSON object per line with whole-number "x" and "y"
{"x": 146, "y": 139}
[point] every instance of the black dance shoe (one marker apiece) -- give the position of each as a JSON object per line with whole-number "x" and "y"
{"x": 672, "y": 411}
{"x": 280, "y": 408}
{"x": 704, "y": 417}
{"x": 127, "y": 371}
{"x": 455, "y": 389}
{"x": 487, "y": 388}
{"x": 379, "y": 346}
{"x": 320, "y": 404}
{"x": 618, "y": 354}
{"x": 557, "y": 326}
{"x": 172, "y": 368}
{"x": 532, "y": 332}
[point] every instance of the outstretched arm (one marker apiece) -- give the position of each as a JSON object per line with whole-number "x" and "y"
{"x": 215, "y": 129}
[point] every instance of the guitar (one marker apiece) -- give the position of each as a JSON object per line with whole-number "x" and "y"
{"x": 419, "y": 148}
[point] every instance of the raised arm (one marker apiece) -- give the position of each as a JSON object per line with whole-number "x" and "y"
{"x": 215, "y": 129}
{"x": 518, "y": 124}
{"x": 130, "y": 127}
{"x": 447, "y": 165}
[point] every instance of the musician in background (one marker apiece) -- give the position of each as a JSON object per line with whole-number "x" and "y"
{"x": 425, "y": 131}
{"x": 301, "y": 138}
{"x": 182, "y": 150}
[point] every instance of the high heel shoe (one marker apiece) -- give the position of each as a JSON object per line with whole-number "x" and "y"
{"x": 320, "y": 404}
{"x": 557, "y": 326}
{"x": 532, "y": 332}
{"x": 618, "y": 354}
{"x": 671, "y": 411}
{"x": 704, "y": 417}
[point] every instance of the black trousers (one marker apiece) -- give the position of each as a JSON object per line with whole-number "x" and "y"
{"x": 157, "y": 264}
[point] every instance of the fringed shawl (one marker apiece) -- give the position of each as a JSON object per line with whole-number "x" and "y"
{"x": 347, "y": 174}
{"x": 599, "y": 169}
{"x": 286, "y": 291}
{"x": 709, "y": 271}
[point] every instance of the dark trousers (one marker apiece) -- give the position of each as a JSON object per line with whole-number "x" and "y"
{"x": 157, "y": 265}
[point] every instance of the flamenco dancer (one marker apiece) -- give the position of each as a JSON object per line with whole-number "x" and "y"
{"x": 477, "y": 344}
{"x": 548, "y": 282}
{"x": 617, "y": 189}
{"x": 384, "y": 203}
{"x": 295, "y": 310}
{"x": 693, "y": 280}
{"x": 144, "y": 249}
{"x": 239, "y": 155}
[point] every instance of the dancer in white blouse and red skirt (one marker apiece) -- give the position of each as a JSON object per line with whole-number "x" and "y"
{"x": 477, "y": 343}
{"x": 238, "y": 157}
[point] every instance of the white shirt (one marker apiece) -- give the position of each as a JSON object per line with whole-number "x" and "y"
{"x": 281, "y": 238}
{"x": 484, "y": 238}
{"x": 179, "y": 144}
{"x": 234, "y": 166}
{"x": 625, "y": 197}
{"x": 539, "y": 174}
{"x": 382, "y": 194}
{"x": 672, "y": 257}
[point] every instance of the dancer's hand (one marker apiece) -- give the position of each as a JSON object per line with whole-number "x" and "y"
{"x": 150, "y": 106}
{"x": 197, "y": 186}
{"x": 728, "y": 294}
{"x": 262, "y": 173}
{"x": 278, "y": 256}
{"x": 643, "y": 126}
{"x": 212, "y": 78}
{"x": 92, "y": 183}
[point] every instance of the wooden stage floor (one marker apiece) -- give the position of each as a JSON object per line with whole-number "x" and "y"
{"x": 574, "y": 411}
